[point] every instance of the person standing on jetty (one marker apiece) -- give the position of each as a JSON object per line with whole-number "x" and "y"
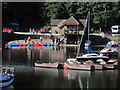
{"x": 30, "y": 30}
{"x": 33, "y": 31}
{"x": 28, "y": 40}
{"x": 53, "y": 38}
{"x": 57, "y": 40}
{"x": 41, "y": 39}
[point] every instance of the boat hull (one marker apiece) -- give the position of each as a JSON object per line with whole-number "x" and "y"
{"x": 98, "y": 67}
{"x": 109, "y": 66}
{"x": 79, "y": 66}
{"x": 47, "y": 65}
{"x": 7, "y": 82}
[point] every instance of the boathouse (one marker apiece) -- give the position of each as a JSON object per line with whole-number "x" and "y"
{"x": 71, "y": 28}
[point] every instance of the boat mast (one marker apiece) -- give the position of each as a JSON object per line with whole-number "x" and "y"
{"x": 82, "y": 34}
{"x": 88, "y": 27}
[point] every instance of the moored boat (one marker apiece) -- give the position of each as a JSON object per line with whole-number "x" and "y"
{"x": 87, "y": 65}
{"x": 111, "y": 44}
{"x": 7, "y": 77}
{"x": 79, "y": 66}
{"x": 111, "y": 64}
{"x": 92, "y": 56}
{"x": 48, "y": 65}
{"x": 109, "y": 51}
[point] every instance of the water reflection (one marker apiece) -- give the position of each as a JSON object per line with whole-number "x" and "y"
{"x": 83, "y": 79}
{"x": 22, "y": 59}
{"x": 11, "y": 87}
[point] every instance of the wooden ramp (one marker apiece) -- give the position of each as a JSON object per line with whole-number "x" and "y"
{"x": 61, "y": 40}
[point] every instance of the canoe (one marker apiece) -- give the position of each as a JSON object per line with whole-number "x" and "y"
{"x": 13, "y": 44}
{"x": 30, "y": 44}
{"x": 37, "y": 44}
{"x": 44, "y": 44}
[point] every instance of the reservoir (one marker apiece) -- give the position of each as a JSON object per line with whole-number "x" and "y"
{"x": 22, "y": 59}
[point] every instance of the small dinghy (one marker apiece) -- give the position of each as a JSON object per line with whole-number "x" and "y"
{"x": 47, "y": 65}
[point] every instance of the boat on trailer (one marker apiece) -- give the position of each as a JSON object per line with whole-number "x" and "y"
{"x": 7, "y": 76}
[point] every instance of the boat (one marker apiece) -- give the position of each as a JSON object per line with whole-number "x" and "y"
{"x": 111, "y": 44}
{"x": 72, "y": 63}
{"x": 52, "y": 64}
{"x": 111, "y": 64}
{"x": 111, "y": 51}
{"x": 7, "y": 76}
{"x": 17, "y": 47}
{"x": 92, "y": 56}
{"x": 79, "y": 66}
{"x": 16, "y": 43}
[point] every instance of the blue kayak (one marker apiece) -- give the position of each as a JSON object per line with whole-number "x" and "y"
{"x": 31, "y": 44}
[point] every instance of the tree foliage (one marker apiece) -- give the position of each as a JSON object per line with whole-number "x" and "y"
{"x": 103, "y": 14}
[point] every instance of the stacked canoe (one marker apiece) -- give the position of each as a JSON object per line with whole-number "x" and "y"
{"x": 15, "y": 43}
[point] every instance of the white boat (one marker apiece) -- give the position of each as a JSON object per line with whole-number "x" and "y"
{"x": 109, "y": 50}
{"x": 6, "y": 77}
{"x": 92, "y": 56}
{"x": 111, "y": 44}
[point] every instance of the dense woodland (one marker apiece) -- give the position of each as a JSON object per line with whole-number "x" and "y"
{"x": 39, "y": 14}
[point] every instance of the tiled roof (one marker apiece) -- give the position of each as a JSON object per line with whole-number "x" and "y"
{"x": 61, "y": 23}
{"x": 71, "y": 21}
{"x": 82, "y": 21}
{"x": 55, "y": 22}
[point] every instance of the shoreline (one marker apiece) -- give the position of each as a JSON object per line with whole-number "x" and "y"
{"x": 50, "y": 41}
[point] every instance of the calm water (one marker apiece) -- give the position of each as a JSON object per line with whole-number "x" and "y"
{"x": 28, "y": 76}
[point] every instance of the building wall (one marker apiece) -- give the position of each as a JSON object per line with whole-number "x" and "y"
{"x": 54, "y": 29}
{"x": 61, "y": 31}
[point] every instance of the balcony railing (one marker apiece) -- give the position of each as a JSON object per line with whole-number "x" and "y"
{"x": 71, "y": 32}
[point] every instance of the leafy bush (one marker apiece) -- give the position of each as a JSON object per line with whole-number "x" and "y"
{"x": 47, "y": 28}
